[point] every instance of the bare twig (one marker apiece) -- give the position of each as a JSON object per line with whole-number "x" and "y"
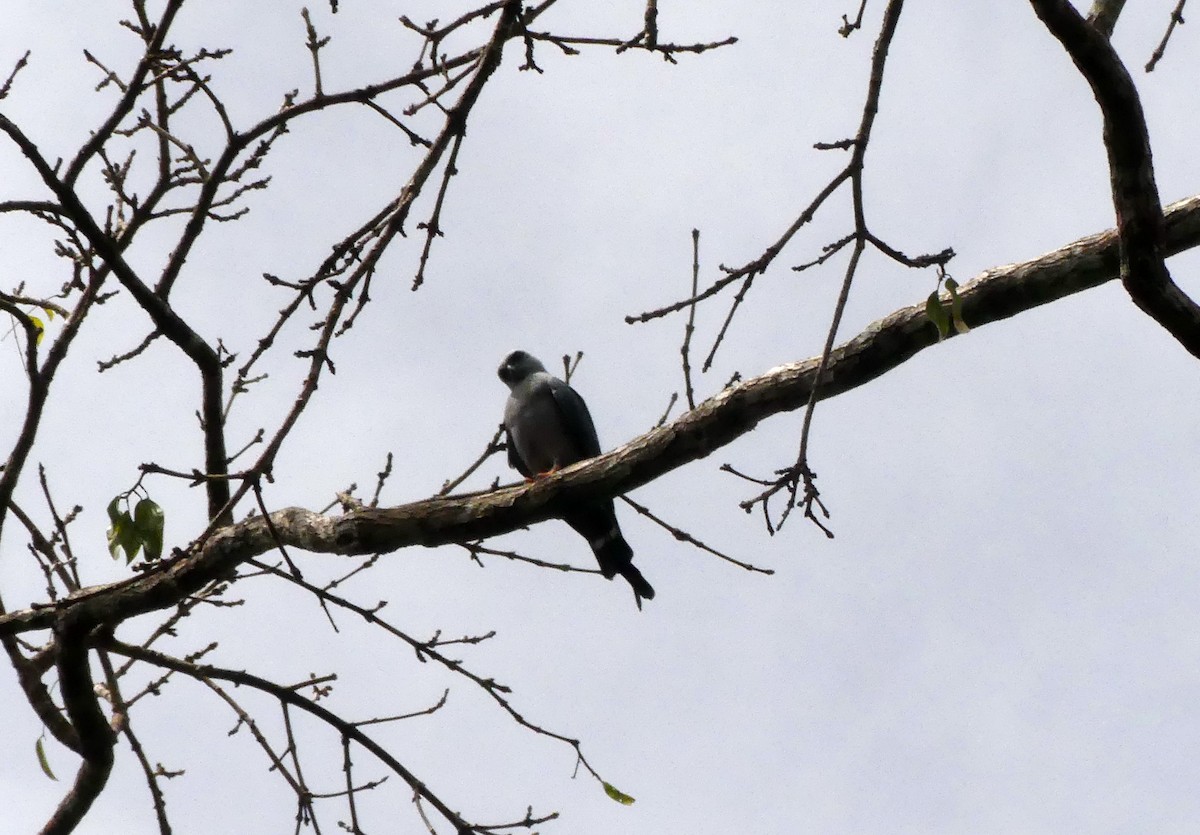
{"x": 667, "y": 50}
{"x": 849, "y": 26}
{"x": 1161, "y": 49}
{"x": 381, "y": 478}
{"x": 475, "y": 549}
{"x": 432, "y": 227}
{"x": 493, "y": 446}
{"x": 691, "y": 321}
{"x": 684, "y": 536}
{"x": 6, "y": 87}
{"x": 105, "y": 365}
{"x": 314, "y": 45}
{"x": 570, "y": 365}
{"x": 667, "y": 412}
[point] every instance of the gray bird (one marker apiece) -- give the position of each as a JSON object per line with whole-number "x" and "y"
{"x": 547, "y": 426}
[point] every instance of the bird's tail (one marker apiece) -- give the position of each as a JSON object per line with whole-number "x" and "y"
{"x": 599, "y": 525}
{"x": 615, "y": 557}
{"x": 641, "y": 588}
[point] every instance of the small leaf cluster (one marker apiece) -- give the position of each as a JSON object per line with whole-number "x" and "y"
{"x": 942, "y": 317}
{"x": 131, "y": 532}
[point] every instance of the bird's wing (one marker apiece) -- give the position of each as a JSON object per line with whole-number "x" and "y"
{"x": 576, "y": 420}
{"x": 514, "y": 458}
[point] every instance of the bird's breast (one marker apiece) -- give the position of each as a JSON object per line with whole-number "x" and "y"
{"x": 535, "y": 424}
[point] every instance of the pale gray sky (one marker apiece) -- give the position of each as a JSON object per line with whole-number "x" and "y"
{"x": 1001, "y": 638}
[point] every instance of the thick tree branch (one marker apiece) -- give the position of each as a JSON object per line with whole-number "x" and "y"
{"x": 95, "y": 736}
{"x": 993, "y": 295}
{"x": 1131, "y": 170}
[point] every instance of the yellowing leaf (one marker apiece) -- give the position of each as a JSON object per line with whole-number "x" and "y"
{"x": 937, "y": 314}
{"x": 42, "y": 760}
{"x": 617, "y": 795}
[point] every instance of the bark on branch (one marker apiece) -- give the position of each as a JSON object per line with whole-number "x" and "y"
{"x": 993, "y": 295}
{"x": 82, "y": 705}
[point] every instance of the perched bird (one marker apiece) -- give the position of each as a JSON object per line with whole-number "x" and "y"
{"x": 547, "y": 427}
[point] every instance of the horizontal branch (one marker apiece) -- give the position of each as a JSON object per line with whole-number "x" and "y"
{"x": 993, "y": 295}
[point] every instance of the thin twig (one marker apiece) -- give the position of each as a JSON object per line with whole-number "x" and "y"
{"x": 684, "y": 536}
{"x": 691, "y": 321}
{"x": 314, "y": 45}
{"x": 493, "y": 446}
{"x": 381, "y": 478}
{"x": 8, "y": 82}
{"x": 432, "y": 227}
{"x": 1161, "y": 49}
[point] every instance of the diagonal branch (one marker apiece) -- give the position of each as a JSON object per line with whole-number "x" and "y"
{"x": 993, "y": 295}
{"x": 95, "y": 736}
{"x": 1161, "y": 49}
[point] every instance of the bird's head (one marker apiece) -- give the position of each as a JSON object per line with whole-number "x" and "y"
{"x": 517, "y": 366}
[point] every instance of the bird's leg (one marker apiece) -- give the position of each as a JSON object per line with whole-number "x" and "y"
{"x": 530, "y": 479}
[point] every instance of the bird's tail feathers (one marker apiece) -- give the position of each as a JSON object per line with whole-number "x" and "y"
{"x": 612, "y": 551}
{"x": 641, "y": 588}
{"x": 615, "y": 557}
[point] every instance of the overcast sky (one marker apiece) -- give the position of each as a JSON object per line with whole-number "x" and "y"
{"x": 1002, "y": 636}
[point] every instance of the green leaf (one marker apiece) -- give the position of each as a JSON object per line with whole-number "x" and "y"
{"x": 41, "y": 328}
{"x": 132, "y": 540}
{"x": 124, "y": 535}
{"x": 114, "y": 509}
{"x": 952, "y": 286}
{"x": 937, "y": 314}
{"x": 42, "y": 761}
{"x": 116, "y": 532}
{"x": 617, "y": 795}
{"x": 148, "y": 519}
